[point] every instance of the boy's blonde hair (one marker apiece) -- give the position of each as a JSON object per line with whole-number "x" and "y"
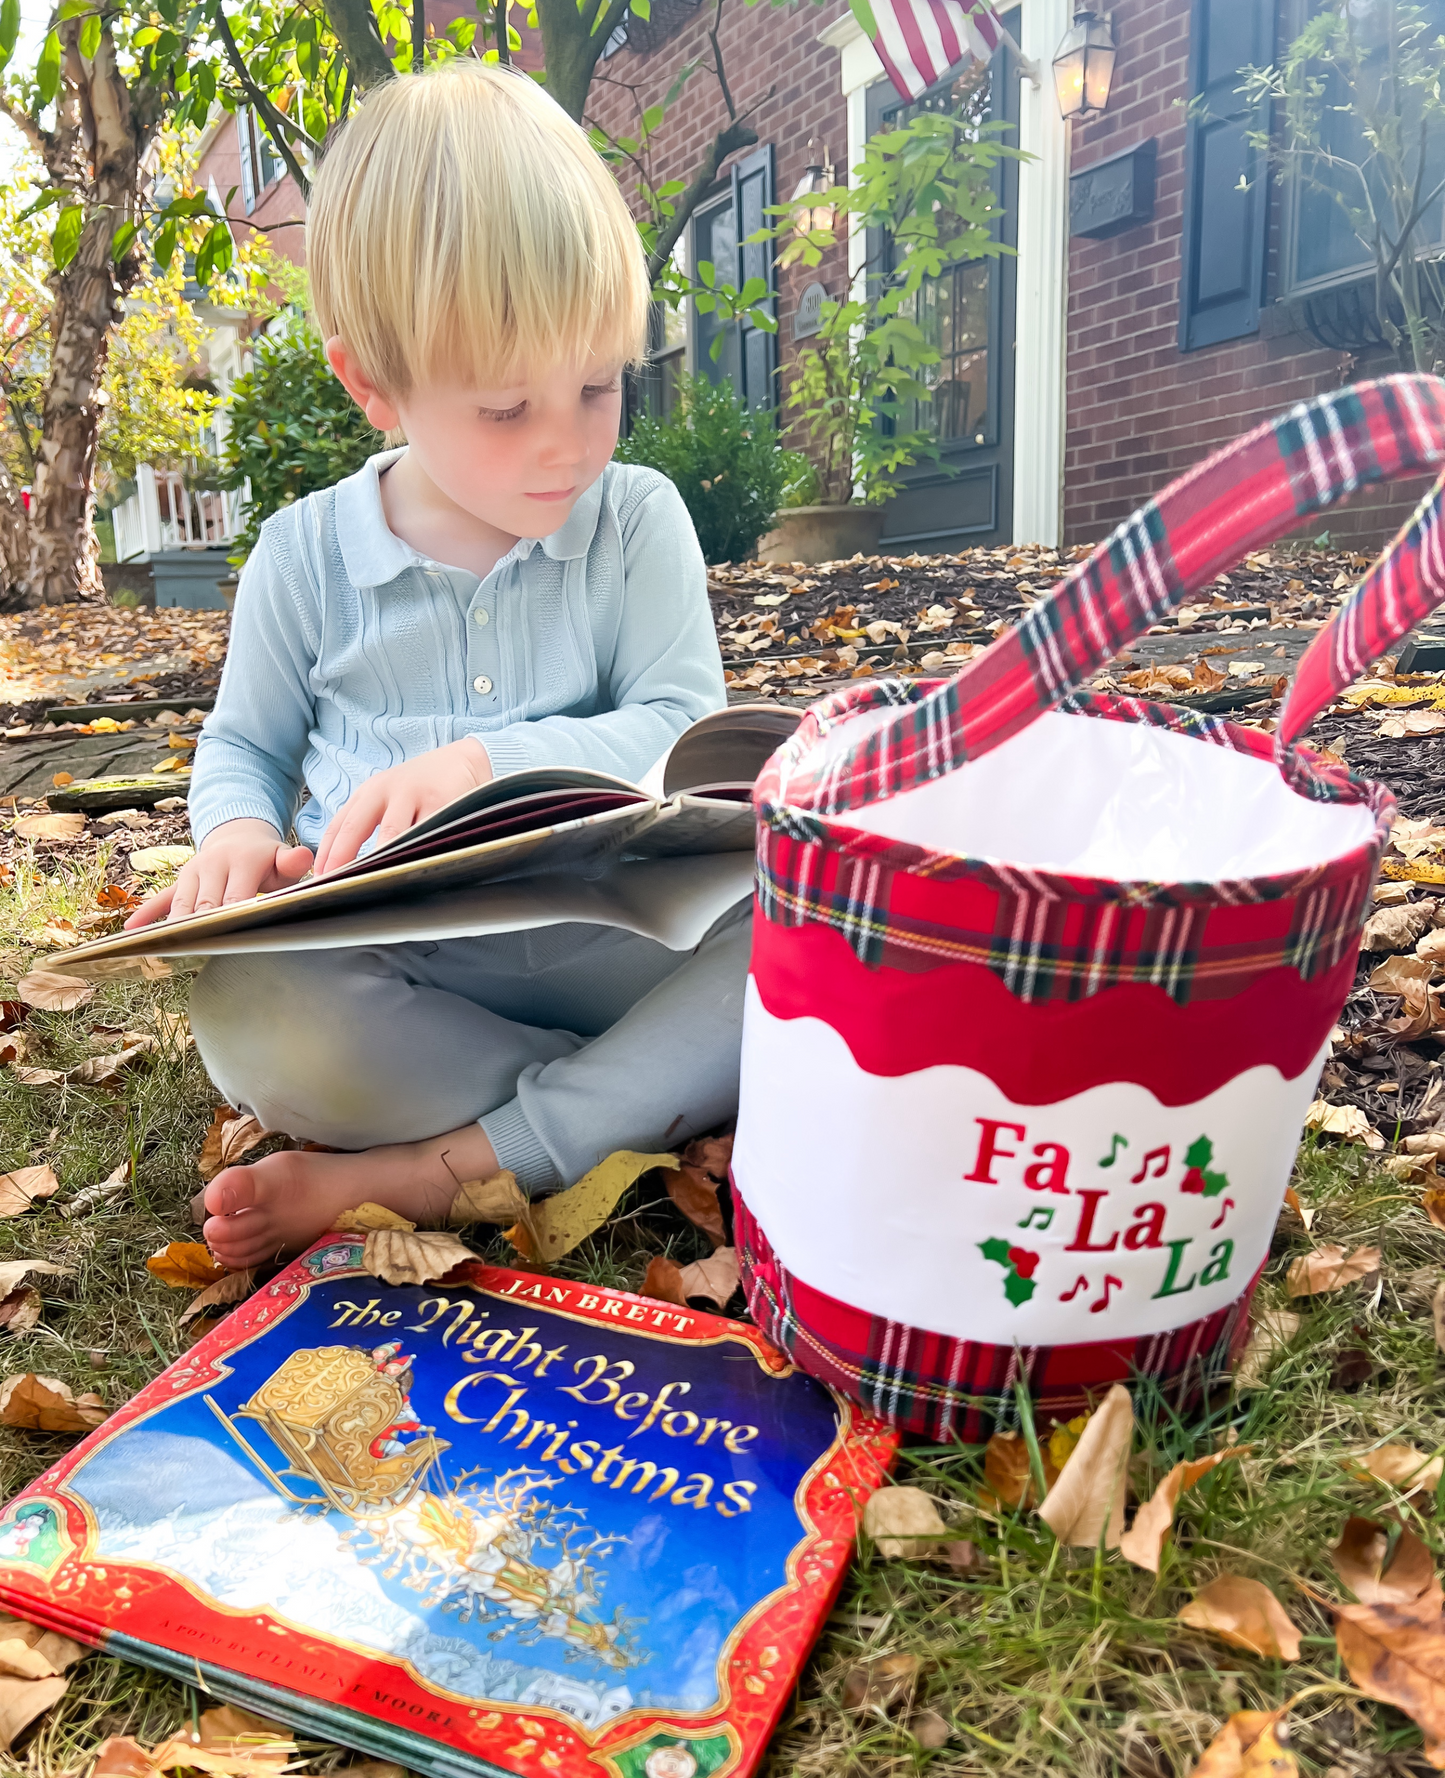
{"x": 462, "y": 227}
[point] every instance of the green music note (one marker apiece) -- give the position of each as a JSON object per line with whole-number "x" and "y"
{"x": 1114, "y": 1147}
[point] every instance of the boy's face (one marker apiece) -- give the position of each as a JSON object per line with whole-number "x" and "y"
{"x": 517, "y": 458}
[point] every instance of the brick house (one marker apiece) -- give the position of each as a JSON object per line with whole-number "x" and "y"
{"x": 1082, "y": 372}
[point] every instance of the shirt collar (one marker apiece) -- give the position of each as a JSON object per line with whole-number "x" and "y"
{"x": 374, "y": 554}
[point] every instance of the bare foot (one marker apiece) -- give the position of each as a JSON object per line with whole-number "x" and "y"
{"x": 281, "y": 1204}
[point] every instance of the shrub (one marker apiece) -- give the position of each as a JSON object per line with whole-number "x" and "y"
{"x": 723, "y": 460}
{"x": 293, "y": 428}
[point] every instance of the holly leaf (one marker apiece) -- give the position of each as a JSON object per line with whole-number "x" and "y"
{"x": 1019, "y": 1290}
{"x": 1214, "y": 1183}
{"x": 996, "y": 1249}
{"x": 1200, "y": 1153}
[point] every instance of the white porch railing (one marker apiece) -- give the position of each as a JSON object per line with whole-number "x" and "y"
{"x": 164, "y": 514}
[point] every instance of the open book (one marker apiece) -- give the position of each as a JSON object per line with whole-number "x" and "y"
{"x": 534, "y": 848}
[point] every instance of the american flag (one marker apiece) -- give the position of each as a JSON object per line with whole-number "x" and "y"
{"x": 918, "y": 41}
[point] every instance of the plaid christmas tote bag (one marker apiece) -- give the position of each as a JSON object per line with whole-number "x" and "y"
{"x": 1042, "y": 980}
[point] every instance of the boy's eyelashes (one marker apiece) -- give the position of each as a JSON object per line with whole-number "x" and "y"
{"x": 589, "y": 392}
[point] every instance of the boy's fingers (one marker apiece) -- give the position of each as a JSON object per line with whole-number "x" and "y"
{"x": 156, "y": 907}
{"x": 348, "y": 832}
{"x": 206, "y": 888}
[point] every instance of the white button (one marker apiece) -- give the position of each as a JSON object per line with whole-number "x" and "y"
{"x": 482, "y": 684}
{"x": 480, "y": 615}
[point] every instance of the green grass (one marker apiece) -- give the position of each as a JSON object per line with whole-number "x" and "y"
{"x": 1042, "y": 1661}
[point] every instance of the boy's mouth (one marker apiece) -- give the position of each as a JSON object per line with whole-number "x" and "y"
{"x": 553, "y": 494}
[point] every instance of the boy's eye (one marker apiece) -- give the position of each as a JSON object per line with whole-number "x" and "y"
{"x": 505, "y": 413}
{"x": 590, "y": 390}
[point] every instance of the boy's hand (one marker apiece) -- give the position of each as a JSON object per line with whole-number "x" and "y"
{"x": 392, "y": 801}
{"x": 237, "y": 860}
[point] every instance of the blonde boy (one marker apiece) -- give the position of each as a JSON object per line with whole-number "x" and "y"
{"x": 494, "y": 595}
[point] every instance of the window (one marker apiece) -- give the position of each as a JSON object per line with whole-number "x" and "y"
{"x": 1321, "y": 248}
{"x": 261, "y": 165}
{"x": 748, "y": 355}
{"x": 955, "y": 311}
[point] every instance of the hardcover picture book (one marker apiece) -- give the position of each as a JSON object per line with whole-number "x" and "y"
{"x": 664, "y": 858}
{"x": 503, "y": 1523}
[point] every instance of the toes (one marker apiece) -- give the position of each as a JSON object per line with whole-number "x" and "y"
{"x": 238, "y": 1188}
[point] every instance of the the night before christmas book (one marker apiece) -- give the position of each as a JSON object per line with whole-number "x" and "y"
{"x": 501, "y": 1523}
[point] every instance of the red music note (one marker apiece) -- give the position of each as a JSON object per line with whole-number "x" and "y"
{"x": 1110, "y": 1283}
{"x": 1082, "y": 1283}
{"x": 1155, "y": 1154}
{"x": 1224, "y": 1211}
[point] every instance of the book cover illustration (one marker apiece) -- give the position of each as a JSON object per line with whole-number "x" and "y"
{"x": 500, "y": 1523}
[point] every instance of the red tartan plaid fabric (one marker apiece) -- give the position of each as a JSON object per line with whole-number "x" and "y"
{"x": 944, "y": 1388}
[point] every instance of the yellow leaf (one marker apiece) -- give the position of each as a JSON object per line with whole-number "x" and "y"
{"x": 368, "y": 1216}
{"x": 1142, "y": 1543}
{"x": 1250, "y": 1745}
{"x": 402, "y": 1256}
{"x": 50, "y": 827}
{"x": 1087, "y": 1501}
{"x": 498, "y": 1199}
{"x": 1328, "y": 1268}
{"x": 903, "y": 1522}
{"x": 1269, "y": 1333}
{"x": 20, "y": 1189}
{"x": 556, "y": 1225}
{"x": 152, "y": 860}
{"x": 185, "y": 1265}
{"x": 1245, "y": 1614}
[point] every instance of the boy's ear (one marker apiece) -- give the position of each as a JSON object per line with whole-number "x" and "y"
{"x": 378, "y": 408}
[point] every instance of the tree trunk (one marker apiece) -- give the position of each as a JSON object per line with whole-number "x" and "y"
{"x": 14, "y": 537}
{"x": 94, "y": 152}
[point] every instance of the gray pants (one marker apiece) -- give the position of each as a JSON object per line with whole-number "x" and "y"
{"x": 565, "y": 1043}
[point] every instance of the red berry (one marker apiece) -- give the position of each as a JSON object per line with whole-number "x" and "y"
{"x": 1193, "y": 1181}
{"x": 1022, "y": 1261}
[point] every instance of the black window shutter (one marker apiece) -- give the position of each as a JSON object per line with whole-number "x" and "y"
{"x": 758, "y": 349}
{"x": 1226, "y": 181}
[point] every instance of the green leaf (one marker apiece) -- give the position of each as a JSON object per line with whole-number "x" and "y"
{"x": 121, "y": 241}
{"x": 47, "y": 69}
{"x": 9, "y": 29}
{"x": 1019, "y": 1290}
{"x": 707, "y": 272}
{"x": 1199, "y": 1153}
{"x": 642, "y": 9}
{"x": 652, "y": 119}
{"x": 90, "y": 37}
{"x": 165, "y": 244}
{"x": 1214, "y": 1183}
{"x": 65, "y": 240}
{"x": 995, "y": 1249}
{"x": 863, "y": 12}
{"x": 214, "y": 255}
{"x": 146, "y": 35}
{"x": 72, "y": 9}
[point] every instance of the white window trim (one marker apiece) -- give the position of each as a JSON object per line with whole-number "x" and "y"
{"x": 1040, "y": 326}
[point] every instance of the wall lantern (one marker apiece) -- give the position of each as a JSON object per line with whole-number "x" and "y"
{"x": 818, "y": 177}
{"x": 1084, "y": 66}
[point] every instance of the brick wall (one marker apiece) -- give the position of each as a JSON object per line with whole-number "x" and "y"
{"x": 279, "y": 213}
{"x": 774, "y": 62}
{"x": 1139, "y": 410}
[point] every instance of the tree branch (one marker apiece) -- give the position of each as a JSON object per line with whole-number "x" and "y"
{"x": 418, "y": 35}
{"x": 504, "y": 47}
{"x": 40, "y": 140}
{"x": 737, "y": 135}
{"x": 276, "y": 121}
{"x": 355, "y": 26}
{"x": 611, "y": 19}
{"x": 717, "y": 59}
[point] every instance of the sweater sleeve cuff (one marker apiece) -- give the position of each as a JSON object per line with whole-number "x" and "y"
{"x": 519, "y": 1149}
{"x": 206, "y": 821}
{"x": 506, "y": 750}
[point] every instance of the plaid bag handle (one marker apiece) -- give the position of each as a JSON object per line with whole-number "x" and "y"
{"x": 1245, "y": 496}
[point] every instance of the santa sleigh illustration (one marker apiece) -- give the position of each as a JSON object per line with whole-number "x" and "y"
{"x": 341, "y": 1418}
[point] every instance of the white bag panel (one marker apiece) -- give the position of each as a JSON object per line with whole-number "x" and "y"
{"x": 872, "y": 1204}
{"x": 1116, "y": 800}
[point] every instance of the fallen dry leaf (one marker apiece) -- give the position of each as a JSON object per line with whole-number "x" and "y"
{"x": 14, "y": 1272}
{"x": 55, "y": 935}
{"x": 1305, "y": 1212}
{"x": 1396, "y": 1653}
{"x": 903, "y": 1522}
{"x": 228, "y": 1728}
{"x": 1391, "y": 895}
{"x": 399, "y": 1256}
{"x": 1347, "y": 1122}
{"x": 52, "y": 992}
{"x": 1087, "y": 1501}
{"x": 1437, "y": 1315}
{"x": 99, "y": 1071}
{"x": 555, "y": 1225}
{"x": 185, "y": 1265}
{"x": 1359, "y": 1556}
{"x": 880, "y": 1684}
{"x": 1246, "y": 1614}
{"x": 1328, "y": 1268}
{"x": 232, "y": 1134}
{"x": 20, "y": 1189}
{"x": 498, "y": 1199}
{"x": 1432, "y": 1202}
{"x": 1401, "y": 1466}
{"x": 368, "y": 1216}
{"x": 929, "y": 1730}
{"x": 22, "y": 1700}
{"x": 101, "y": 1193}
{"x": 45, "y": 1404}
{"x": 1007, "y": 1474}
{"x": 1250, "y": 1745}
{"x": 693, "y": 1187}
{"x": 233, "y": 1288}
{"x": 38, "y": 1077}
{"x": 50, "y": 827}
{"x": 1397, "y": 928}
{"x": 663, "y": 1280}
{"x": 715, "y": 1278}
{"x": 1270, "y": 1332}
{"x": 20, "y": 1310}
{"x": 119, "y": 1756}
{"x": 1397, "y": 975}
{"x": 151, "y": 860}
{"x": 1142, "y": 1543}
{"x": 14, "y": 1047}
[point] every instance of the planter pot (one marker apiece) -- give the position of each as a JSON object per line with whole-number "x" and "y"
{"x": 227, "y": 589}
{"x": 822, "y": 534}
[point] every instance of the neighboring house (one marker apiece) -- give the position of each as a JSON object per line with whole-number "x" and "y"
{"x": 1081, "y": 375}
